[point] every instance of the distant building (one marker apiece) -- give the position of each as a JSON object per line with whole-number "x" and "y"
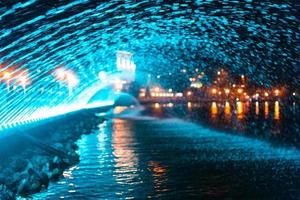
{"x": 126, "y": 66}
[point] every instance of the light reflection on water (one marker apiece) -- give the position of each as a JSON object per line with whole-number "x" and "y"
{"x": 190, "y": 105}
{"x": 257, "y": 108}
{"x": 227, "y": 110}
{"x": 266, "y": 109}
{"x": 159, "y": 176}
{"x": 240, "y": 110}
{"x": 127, "y": 159}
{"x": 276, "y": 111}
{"x": 277, "y": 121}
{"x": 214, "y": 110}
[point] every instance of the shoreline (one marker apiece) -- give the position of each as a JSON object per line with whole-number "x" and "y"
{"x": 29, "y": 161}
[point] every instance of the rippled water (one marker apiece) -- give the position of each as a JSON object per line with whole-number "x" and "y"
{"x": 170, "y": 158}
{"x": 274, "y": 122}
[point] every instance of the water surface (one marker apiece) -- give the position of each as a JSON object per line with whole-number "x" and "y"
{"x": 145, "y": 157}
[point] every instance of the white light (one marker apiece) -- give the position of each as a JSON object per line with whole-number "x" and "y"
{"x": 179, "y": 94}
{"x": 23, "y": 80}
{"x": 72, "y": 79}
{"x": 102, "y": 75}
{"x": 61, "y": 73}
{"x": 118, "y": 85}
{"x": 6, "y": 75}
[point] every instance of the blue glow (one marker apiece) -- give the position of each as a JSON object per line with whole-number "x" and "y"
{"x": 260, "y": 39}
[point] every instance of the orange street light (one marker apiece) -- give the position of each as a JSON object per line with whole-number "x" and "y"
{"x": 6, "y": 77}
{"x": 214, "y": 91}
{"x": 227, "y": 91}
{"x": 266, "y": 94}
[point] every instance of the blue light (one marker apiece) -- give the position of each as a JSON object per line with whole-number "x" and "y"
{"x": 83, "y": 37}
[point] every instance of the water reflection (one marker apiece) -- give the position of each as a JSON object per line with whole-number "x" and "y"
{"x": 257, "y": 108}
{"x": 158, "y": 112}
{"x": 159, "y": 176}
{"x": 214, "y": 110}
{"x": 173, "y": 159}
{"x": 189, "y": 105}
{"x": 227, "y": 109}
{"x": 227, "y": 112}
{"x": 240, "y": 109}
{"x": 276, "y": 111}
{"x": 68, "y": 173}
{"x": 102, "y": 149}
{"x": 126, "y": 161}
{"x": 266, "y": 109}
{"x": 253, "y": 117}
{"x": 170, "y": 105}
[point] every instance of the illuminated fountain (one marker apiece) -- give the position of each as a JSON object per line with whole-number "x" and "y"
{"x": 83, "y": 38}
{"x": 57, "y": 57}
